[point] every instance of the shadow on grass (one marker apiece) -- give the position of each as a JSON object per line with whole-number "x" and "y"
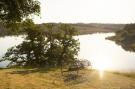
{"x": 26, "y": 71}
{"x": 3, "y": 68}
{"x": 72, "y": 79}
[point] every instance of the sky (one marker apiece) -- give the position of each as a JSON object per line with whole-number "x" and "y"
{"x": 87, "y": 11}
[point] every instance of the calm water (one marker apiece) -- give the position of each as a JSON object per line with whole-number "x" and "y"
{"x": 104, "y": 54}
{"x": 7, "y": 42}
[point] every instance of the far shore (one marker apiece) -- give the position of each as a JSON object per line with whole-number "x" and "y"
{"x": 82, "y": 28}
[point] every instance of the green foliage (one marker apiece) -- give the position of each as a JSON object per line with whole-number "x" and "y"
{"x": 70, "y": 46}
{"x": 44, "y": 47}
{"x": 63, "y": 47}
{"x": 32, "y": 50}
{"x": 15, "y": 10}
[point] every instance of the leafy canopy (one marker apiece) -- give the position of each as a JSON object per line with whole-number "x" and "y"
{"x": 48, "y": 46}
{"x": 16, "y": 10}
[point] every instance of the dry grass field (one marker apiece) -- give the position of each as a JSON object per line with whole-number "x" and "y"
{"x": 52, "y": 79}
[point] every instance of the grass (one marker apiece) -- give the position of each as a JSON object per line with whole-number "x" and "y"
{"x": 131, "y": 75}
{"x": 29, "y": 78}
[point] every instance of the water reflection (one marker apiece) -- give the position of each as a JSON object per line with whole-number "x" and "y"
{"x": 7, "y": 42}
{"x": 105, "y": 54}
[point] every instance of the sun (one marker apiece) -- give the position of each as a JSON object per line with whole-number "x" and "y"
{"x": 101, "y": 66}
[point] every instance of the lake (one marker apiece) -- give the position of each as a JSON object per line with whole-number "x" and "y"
{"x": 7, "y": 42}
{"x": 103, "y": 54}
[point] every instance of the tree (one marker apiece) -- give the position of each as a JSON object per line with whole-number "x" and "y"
{"x": 69, "y": 45}
{"x": 32, "y": 51}
{"x": 12, "y": 11}
{"x": 51, "y": 53}
{"x": 52, "y": 46}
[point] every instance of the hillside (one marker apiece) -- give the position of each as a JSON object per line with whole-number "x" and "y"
{"x": 94, "y": 28}
{"x": 41, "y": 79}
{"x": 126, "y": 37}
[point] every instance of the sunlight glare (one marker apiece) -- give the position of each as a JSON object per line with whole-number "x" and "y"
{"x": 101, "y": 67}
{"x": 101, "y": 72}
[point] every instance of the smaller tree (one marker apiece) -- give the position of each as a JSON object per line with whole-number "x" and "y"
{"x": 69, "y": 45}
{"x": 32, "y": 51}
{"x": 52, "y": 51}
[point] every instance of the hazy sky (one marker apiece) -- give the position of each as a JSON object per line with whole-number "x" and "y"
{"x": 87, "y": 11}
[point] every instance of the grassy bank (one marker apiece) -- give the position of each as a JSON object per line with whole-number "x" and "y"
{"x": 52, "y": 79}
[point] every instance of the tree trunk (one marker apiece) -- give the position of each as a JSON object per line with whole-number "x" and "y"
{"x": 61, "y": 69}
